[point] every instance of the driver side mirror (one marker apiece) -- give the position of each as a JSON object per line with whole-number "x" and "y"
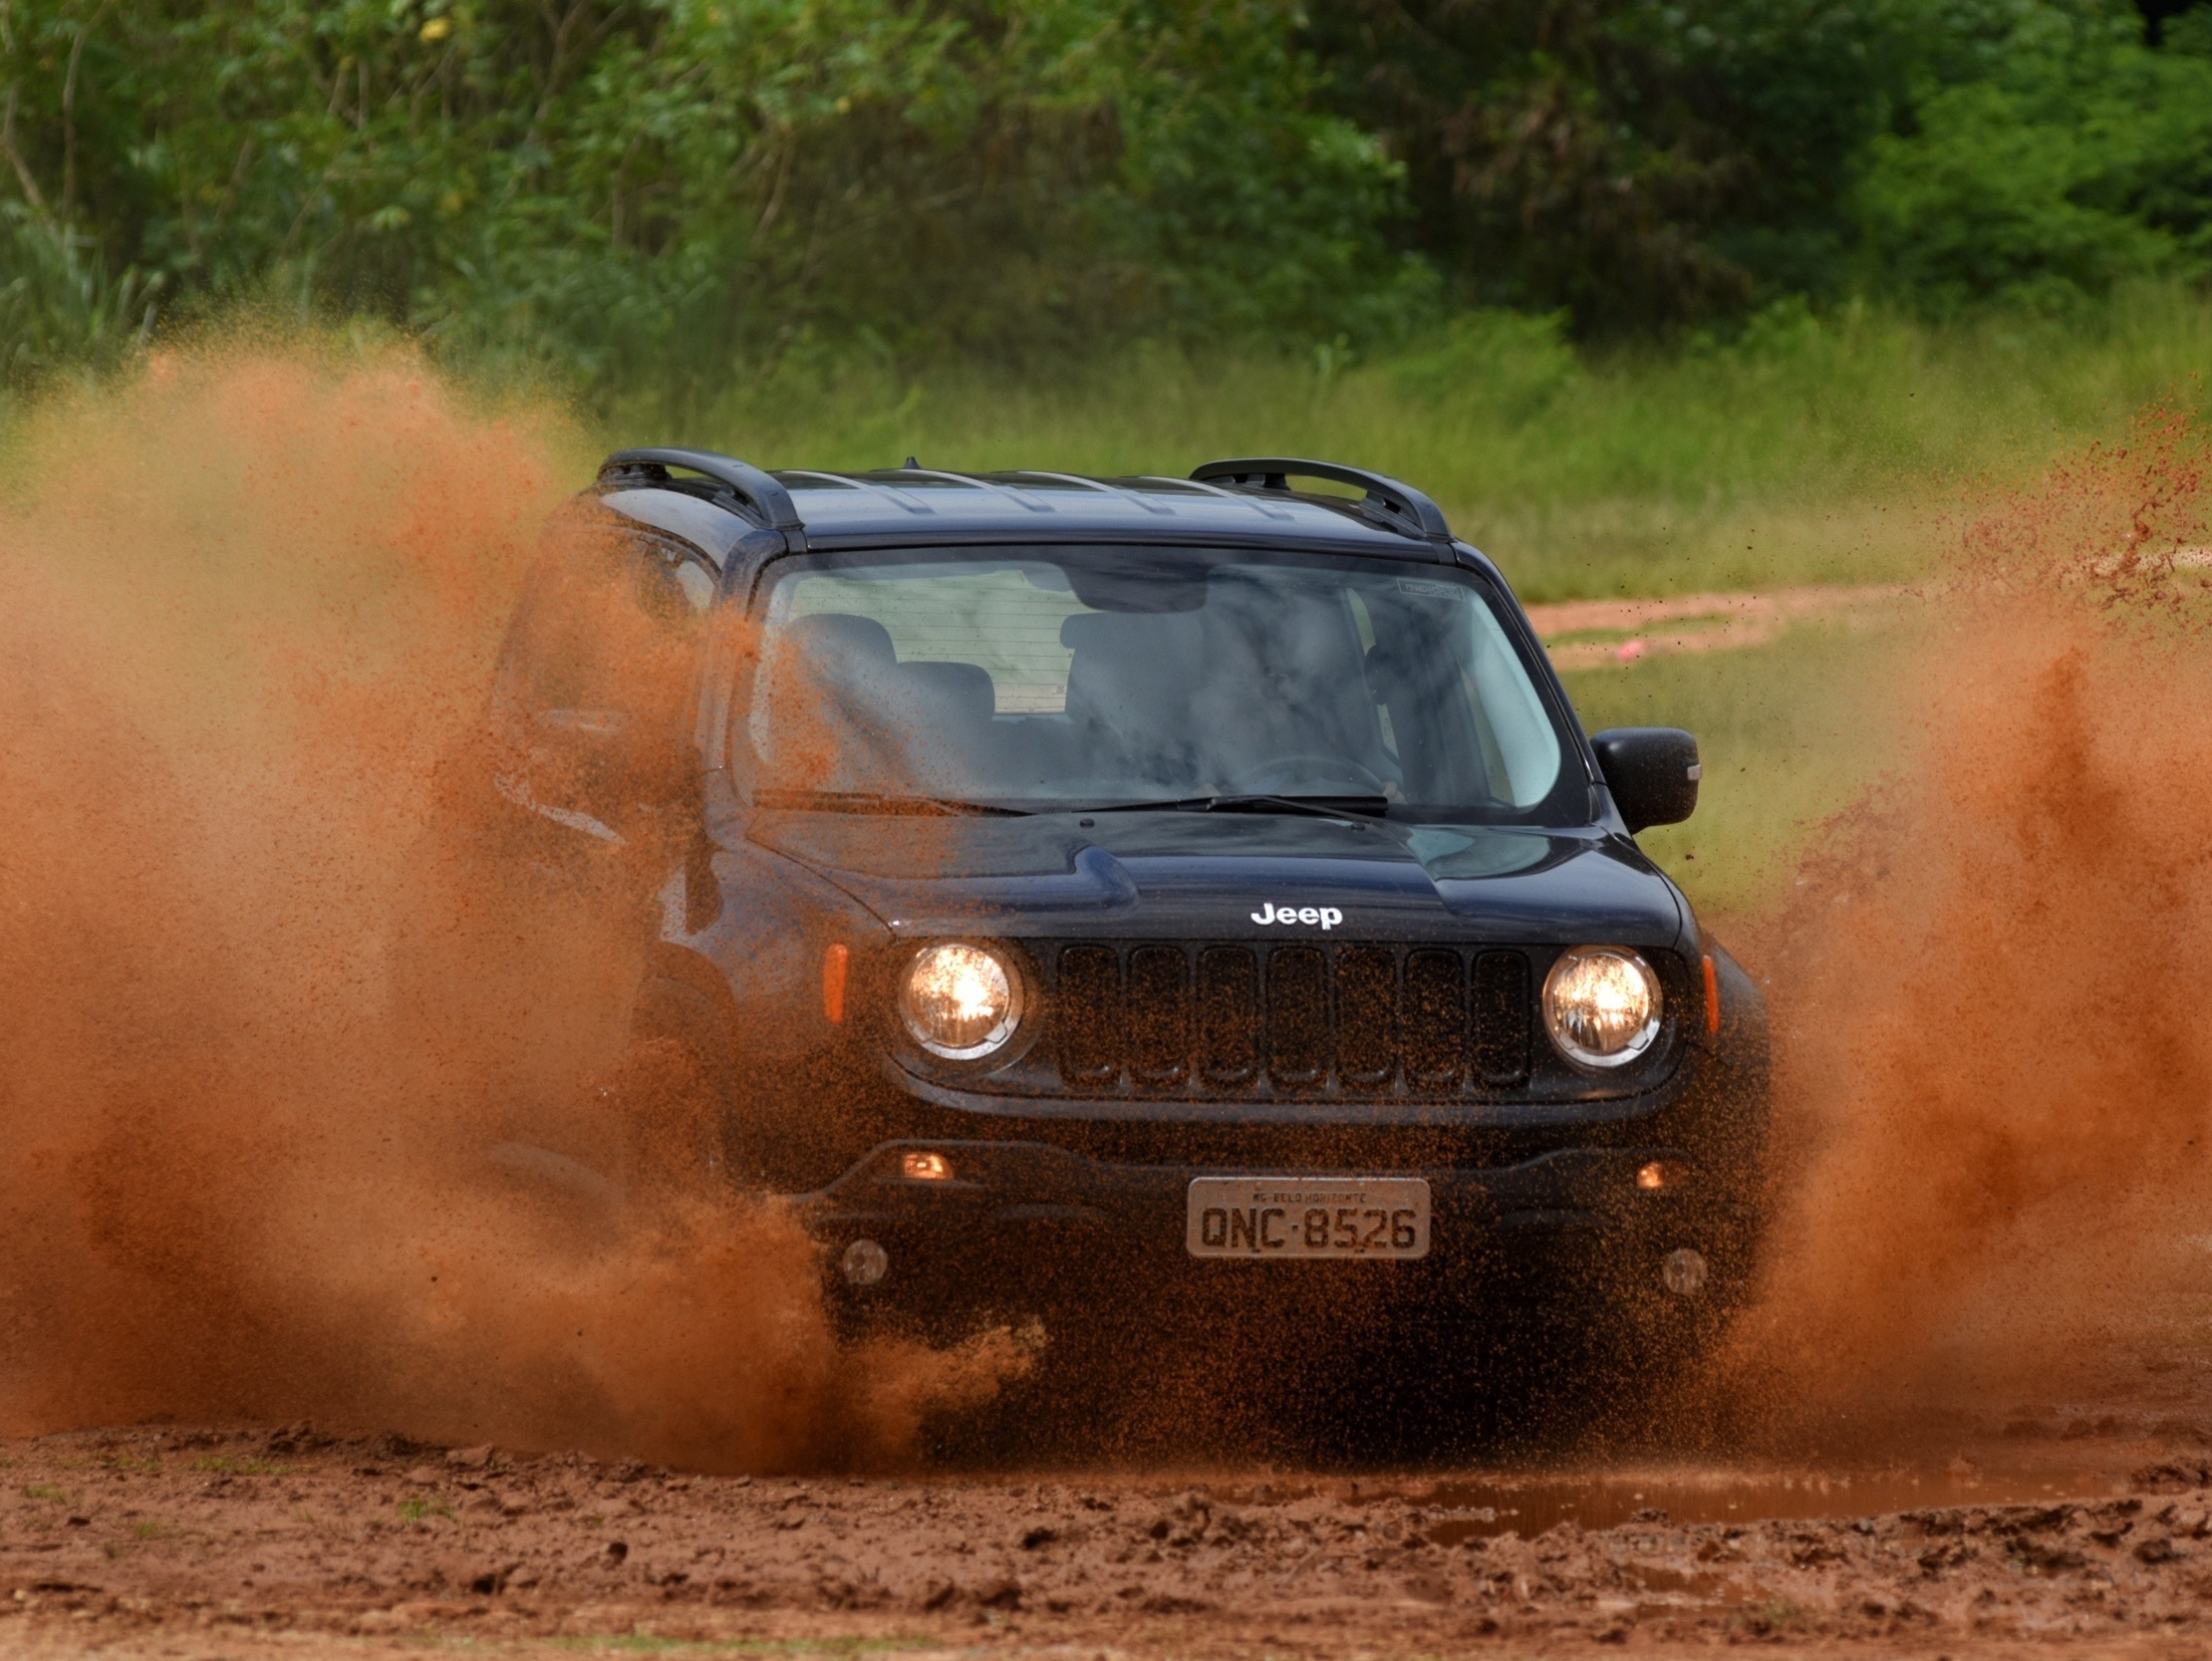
{"x": 1652, "y": 771}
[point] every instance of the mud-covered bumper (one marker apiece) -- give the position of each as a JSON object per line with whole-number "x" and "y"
{"x": 1021, "y": 1227}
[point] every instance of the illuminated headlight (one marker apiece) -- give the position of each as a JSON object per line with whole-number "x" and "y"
{"x": 961, "y": 1002}
{"x": 1601, "y": 1006}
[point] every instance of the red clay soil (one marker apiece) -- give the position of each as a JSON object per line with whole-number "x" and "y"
{"x": 1604, "y": 634}
{"x": 209, "y": 1542}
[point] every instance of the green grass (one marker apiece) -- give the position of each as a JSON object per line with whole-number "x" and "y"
{"x": 230, "y": 1466}
{"x": 1789, "y": 734}
{"x": 1808, "y": 450}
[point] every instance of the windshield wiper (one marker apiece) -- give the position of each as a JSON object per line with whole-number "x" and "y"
{"x": 876, "y": 801}
{"x": 1325, "y": 807}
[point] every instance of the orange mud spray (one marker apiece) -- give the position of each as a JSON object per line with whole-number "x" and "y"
{"x": 257, "y": 1028}
{"x": 1993, "y": 988}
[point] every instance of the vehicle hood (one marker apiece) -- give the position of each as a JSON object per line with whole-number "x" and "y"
{"x": 1229, "y": 875}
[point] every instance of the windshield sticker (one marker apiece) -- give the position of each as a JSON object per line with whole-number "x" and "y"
{"x": 1328, "y": 917}
{"x": 1428, "y": 591}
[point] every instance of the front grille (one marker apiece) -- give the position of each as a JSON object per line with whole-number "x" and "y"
{"x": 1240, "y": 1022}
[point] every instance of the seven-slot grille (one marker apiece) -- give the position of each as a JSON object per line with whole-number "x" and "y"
{"x": 1244, "y": 1020}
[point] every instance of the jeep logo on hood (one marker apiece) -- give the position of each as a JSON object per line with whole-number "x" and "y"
{"x": 1328, "y": 917}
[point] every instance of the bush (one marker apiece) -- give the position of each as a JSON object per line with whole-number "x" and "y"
{"x": 693, "y": 198}
{"x": 678, "y": 189}
{"x": 1508, "y": 364}
{"x": 60, "y": 309}
{"x": 2082, "y": 158}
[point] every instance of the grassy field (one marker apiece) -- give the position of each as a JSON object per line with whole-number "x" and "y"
{"x": 1789, "y": 734}
{"x": 1813, "y": 450}
{"x": 1810, "y": 450}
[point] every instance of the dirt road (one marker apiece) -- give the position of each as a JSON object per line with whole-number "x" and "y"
{"x": 1604, "y": 634}
{"x": 220, "y": 1541}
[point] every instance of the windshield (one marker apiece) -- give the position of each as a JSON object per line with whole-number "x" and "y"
{"x": 1063, "y": 676}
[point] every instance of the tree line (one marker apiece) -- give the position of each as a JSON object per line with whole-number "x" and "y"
{"x": 687, "y": 191}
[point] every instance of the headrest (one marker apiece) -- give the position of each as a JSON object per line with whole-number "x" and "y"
{"x": 1134, "y": 671}
{"x": 839, "y": 638}
{"x": 1118, "y": 634}
{"x": 1095, "y": 631}
{"x": 965, "y": 688}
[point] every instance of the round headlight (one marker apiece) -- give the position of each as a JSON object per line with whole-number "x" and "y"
{"x": 1601, "y": 1006}
{"x": 960, "y": 1002}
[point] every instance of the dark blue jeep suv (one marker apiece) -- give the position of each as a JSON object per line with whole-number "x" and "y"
{"x": 1100, "y": 900}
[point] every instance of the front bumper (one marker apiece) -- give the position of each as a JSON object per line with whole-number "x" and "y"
{"x": 1026, "y": 1229}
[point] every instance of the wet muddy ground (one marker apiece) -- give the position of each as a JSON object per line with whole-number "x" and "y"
{"x": 217, "y": 1540}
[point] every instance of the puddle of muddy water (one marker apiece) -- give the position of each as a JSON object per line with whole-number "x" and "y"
{"x": 1462, "y": 1508}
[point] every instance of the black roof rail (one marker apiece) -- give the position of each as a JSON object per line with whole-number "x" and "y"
{"x": 1413, "y": 510}
{"x": 758, "y": 490}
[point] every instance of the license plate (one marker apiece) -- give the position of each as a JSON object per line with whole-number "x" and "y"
{"x": 1305, "y": 1216}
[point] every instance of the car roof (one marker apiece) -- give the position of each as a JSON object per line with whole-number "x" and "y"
{"x": 916, "y": 502}
{"x": 731, "y": 502}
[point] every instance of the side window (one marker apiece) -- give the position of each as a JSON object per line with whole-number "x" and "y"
{"x": 596, "y": 683}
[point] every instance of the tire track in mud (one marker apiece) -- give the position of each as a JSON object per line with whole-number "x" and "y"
{"x": 227, "y": 1540}
{"x": 214, "y": 1288}
{"x": 1607, "y": 634}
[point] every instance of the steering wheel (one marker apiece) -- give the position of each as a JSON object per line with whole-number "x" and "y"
{"x": 1274, "y": 776}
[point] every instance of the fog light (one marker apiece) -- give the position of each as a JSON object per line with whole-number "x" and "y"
{"x": 925, "y": 1168}
{"x": 1683, "y": 1273}
{"x": 1660, "y": 1174}
{"x": 865, "y": 1263}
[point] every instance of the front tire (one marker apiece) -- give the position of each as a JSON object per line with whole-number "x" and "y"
{"x": 664, "y": 1110}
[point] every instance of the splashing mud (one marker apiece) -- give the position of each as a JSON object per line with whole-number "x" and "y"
{"x": 256, "y": 1023}
{"x": 1994, "y": 1067}
{"x": 258, "y": 1020}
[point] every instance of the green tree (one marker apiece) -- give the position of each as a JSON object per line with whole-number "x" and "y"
{"x": 683, "y": 187}
{"x": 2050, "y": 157}
{"x": 1639, "y": 163}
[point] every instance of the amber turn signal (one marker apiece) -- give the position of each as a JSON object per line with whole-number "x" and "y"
{"x": 925, "y": 1168}
{"x": 834, "y": 964}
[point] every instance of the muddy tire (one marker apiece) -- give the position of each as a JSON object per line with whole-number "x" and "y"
{"x": 685, "y": 1107}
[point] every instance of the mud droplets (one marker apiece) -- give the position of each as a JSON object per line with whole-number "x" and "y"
{"x": 257, "y": 1026}
{"x": 1995, "y": 1067}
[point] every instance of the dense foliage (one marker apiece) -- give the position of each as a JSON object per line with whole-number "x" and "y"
{"x": 1644, "y": 163}
{"x": 689, "y": 192}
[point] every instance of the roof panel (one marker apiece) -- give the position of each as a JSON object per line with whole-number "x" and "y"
{"x": 898, "y": 501}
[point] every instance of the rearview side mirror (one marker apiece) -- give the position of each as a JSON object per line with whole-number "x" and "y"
{"x": 1652, "y": 771}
